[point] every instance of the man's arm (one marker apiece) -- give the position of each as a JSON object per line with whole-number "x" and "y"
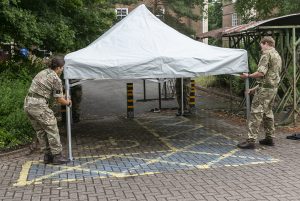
{"x": 252, "y": 75}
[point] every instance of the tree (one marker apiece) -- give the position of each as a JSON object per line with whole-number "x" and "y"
{"x": 215, "y": 15}
{"x": 57, "y": 25}
{"x": 175, "y": 10}
{"x": 265, "y": 9}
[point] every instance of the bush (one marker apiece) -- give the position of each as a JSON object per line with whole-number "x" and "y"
{"x": 15, "y": 79}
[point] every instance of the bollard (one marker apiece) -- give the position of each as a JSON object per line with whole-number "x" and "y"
{"x": 192, "y": 94}
{"x": 130, "y": 107}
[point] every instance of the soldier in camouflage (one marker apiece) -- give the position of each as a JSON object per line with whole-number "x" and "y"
{"x": 45, "y": 85}
{"x": 186, "y": 95}
{"x": 268, "y": 77}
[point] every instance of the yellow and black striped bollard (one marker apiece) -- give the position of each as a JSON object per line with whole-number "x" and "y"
{"x": 130, "y": 107}
{"x": 192, "y": 95}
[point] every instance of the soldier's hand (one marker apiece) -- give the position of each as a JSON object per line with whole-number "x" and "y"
{"x": 244, "y": 75}
{"x": 70, "y": 103}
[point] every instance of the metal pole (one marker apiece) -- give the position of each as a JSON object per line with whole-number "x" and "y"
{"x": 159, "y": 95}
{"x": 182, "y": 96}
{"x": 68, "y": 116}
{"x": 165, "y": 88}
{"x": 247, "y": 99}
{"x": 294, "y": 76}
{"x": 144, "y": 84}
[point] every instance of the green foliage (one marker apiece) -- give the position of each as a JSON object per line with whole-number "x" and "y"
{"x": 175, "y": 10}
{"x": 206, "y": 81}
{"x": 226, "y": 81}
{"x": 215, "y": 14}
{"x": 57, "y": 25}
{"x": 15, "y": 78}
{"x": 178, "y": 25}
{"x": 265, "y": 8}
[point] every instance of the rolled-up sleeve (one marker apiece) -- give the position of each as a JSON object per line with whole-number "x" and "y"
{"x": 263, "y": 64}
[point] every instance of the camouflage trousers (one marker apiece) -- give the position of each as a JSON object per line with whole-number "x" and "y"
{"x": 44, "y": 123}
{"x": 261, "y": 113}
{"x": 186, "y": 92}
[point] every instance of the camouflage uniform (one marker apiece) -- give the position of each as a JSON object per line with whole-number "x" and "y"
{"x": 44, "y": 86}
{"x": 261, "y": 109}
{"x": 186, "y": 92}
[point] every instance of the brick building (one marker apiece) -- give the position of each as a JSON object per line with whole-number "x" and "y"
{"x": 230, "y": 17}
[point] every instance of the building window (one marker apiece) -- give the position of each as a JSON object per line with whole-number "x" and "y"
{"x": 160, "y": 13}
{"x": 121, "y": 13}
{"x": 234, "y": 19}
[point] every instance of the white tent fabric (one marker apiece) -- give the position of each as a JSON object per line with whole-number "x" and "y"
{"x": 142, "y": 46}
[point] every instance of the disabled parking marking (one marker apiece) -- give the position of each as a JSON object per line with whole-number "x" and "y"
{"x": 196, "y": 151}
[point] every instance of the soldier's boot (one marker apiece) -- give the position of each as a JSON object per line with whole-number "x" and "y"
{"x": 267, "y": 141}
{"x": 48, "y": 158}
{"x": 58, "y": 159}
{"x": 248, "y": 144}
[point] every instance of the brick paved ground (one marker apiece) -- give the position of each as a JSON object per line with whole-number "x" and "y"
{"x": 159, "y": 156}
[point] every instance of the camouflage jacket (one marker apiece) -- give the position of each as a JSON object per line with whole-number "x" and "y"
{"x": 270, "y": 65}
{"x": 47, "y": 84}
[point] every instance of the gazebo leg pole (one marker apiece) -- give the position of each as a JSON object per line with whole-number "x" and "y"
{"x": 182, "y": 96}
{"x": 159, "y": 95}
{"x": 294, "y": 78}
{"x": 247, "y": 100}
{"x": 144, "y": 86}
{"x": 68, "y": 116}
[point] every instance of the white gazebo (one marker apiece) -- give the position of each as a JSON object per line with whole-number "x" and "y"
{"x": 141, "y": 46}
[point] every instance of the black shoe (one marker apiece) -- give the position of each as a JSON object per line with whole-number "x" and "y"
{"x": 267, "y": 141}
{"x": 48, "y": 158}
{"x": 294, "y": 137}
{"x": 246, "y": 145}
{"x": 58, "y": 159}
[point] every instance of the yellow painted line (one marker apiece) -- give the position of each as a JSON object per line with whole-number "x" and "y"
{"x": 23, "y": 177}
{"x": 164, "y": 161}
{"x": 217, "y": 160}
{"x": 174, "y": 149}
{"x": 156, "y": 135}
{"x": 130, "y": 107}
{"x": 130, "y": 94}
{"x": 22, "y": 181}
{"x": 186, "y": 131}
{"x": 130, "y": 101}
{"x": 104, "y": 177}
{"x": 176, "y": 123}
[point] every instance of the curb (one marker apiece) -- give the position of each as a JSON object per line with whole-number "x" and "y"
{"x": 16, "y": 153}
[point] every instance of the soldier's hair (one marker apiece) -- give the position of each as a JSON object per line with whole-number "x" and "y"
{"x": 57, "y": 61}
{"x": 269, "y": 40}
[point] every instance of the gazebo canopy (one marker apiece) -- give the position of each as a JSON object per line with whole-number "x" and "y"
{"x": 142, "y": 46}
